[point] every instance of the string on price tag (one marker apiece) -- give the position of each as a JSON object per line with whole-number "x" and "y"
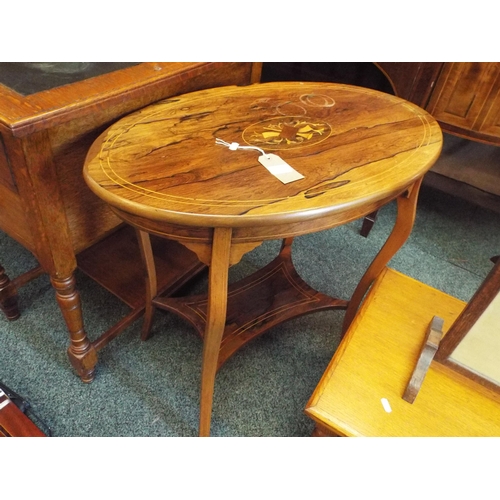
{"x": 273, "y": 163}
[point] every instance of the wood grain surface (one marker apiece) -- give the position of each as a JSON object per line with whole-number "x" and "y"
{"x": 354, "y": 146}
{"x": 376, "y": 359}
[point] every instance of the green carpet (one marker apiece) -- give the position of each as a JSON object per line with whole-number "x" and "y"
{"x": 151, "y": 388}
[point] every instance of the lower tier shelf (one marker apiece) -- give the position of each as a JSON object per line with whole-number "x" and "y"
{"x": 272, "y": 295}
{"x": 116, "y": 264}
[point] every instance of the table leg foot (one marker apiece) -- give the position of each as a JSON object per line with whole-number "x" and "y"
{"x": 8, "y": 297}
{"x": 407, "y": 206}
{"x": 81, "y": 352}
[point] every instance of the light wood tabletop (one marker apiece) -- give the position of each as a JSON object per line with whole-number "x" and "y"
{"x": 375, "y": 362}
{"x": 189, "y": 169}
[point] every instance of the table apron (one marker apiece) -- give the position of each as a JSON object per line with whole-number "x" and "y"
{"x": 247, "y": 234}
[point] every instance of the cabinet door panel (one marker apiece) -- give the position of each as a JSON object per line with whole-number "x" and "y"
{"x": 462, "y": 91}
{"x": 490, "y": 124}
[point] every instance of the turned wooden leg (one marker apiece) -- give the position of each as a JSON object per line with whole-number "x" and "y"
{"x": 151, "y": 281}
{"x": 8, "y": 297}
{"x": 216, "y": 320}
{"x": 81, "y": 352}
{"x": 407, "y": 206}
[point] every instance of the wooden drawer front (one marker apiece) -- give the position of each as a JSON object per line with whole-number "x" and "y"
{"x": 462, "y": 91}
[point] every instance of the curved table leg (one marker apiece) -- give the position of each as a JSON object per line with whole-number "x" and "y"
{"x": 8, "y": 297}
{"x": 81, "y": 352}
{"x": 151, "y": 282}
{"x": 407, "y": 206}
{"x": 216, "y": 319}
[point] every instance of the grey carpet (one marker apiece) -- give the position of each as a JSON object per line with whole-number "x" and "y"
{"x": 151, "y": 388}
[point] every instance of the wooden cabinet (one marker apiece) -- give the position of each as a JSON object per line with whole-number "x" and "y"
{"x": 360, "y": 393}
{"x": 45, "y": 132}
{"x": 464, "y": 97}
{"x": 412, "y": 81}
{"x": 466, "y": 100}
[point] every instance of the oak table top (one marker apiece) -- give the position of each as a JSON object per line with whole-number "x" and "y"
{"x": 375, "y": 361}
{"x": 164, "y": 171}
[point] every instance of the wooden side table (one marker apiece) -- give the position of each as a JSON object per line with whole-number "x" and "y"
{"x": 48, "y": 121}
{"x": 375, "y": 362}
{"x": 162, "y": 172}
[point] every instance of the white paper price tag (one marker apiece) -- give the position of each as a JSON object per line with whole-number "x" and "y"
{"x": 273, "y": 163}
{"x": 279, "y": 168}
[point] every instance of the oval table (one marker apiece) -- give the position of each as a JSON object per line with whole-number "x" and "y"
{"x": 162, "y": 171}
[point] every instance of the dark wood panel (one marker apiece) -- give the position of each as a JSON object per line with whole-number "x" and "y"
{"x": 13, "y": 422}
{"x": 462, "y": 92}
{"x": 412, "y": 81}
{"x": 6, "y": 177}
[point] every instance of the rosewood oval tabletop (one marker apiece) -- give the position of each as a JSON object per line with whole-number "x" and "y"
{"x": 189, "y": 168}
{"x": 354, "y": 146}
